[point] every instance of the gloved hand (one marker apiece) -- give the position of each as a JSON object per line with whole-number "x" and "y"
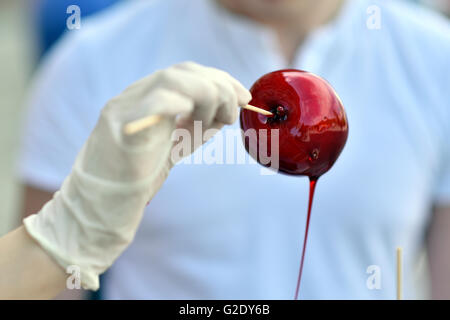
{"x": 94, "y": 216}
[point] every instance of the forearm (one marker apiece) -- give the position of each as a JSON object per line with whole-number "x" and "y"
{"x": 438, "y": 254}
{"x": 26, "y": 270}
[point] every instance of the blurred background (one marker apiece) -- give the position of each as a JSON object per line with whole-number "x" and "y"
{"x": 28, "y": 30}
{"x": 17, "y": 57}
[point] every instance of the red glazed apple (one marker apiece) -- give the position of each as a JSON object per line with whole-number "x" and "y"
{"x": 310, "y": 117}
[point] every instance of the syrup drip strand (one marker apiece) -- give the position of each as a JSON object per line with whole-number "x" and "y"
{"x": 312, "y": 187}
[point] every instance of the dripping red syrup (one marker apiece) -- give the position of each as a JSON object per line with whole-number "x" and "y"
{"x": 311, "y": 121}
{"x": 312, "y": 188}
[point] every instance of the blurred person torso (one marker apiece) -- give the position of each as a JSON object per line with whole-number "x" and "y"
{"x": 224, "y": 231}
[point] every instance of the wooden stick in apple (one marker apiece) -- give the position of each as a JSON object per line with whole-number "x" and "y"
{"x": 141, "y": 124}
{"x": 399, "y": 273}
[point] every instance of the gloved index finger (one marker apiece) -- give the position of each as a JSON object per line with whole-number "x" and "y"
{"x": 242, "y": 93}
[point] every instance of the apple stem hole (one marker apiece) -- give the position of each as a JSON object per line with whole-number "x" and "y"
{"x": 279, "y": 114}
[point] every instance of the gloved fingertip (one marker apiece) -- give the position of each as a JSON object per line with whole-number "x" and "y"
{"x": 244, "y": 98}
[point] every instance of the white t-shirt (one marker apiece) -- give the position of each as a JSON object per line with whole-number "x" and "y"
{"x": 226, "y": 231}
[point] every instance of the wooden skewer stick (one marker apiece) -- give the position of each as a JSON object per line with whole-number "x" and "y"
{"x": 399, "y": 274}
{"x": 258, "y": 110}
{"x": 141, "y": 124}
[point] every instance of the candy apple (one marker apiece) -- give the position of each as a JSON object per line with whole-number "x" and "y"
{"x": 310, "y": 117}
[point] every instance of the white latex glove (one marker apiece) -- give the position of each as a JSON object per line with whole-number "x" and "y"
{"x": 94, "y": 216}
